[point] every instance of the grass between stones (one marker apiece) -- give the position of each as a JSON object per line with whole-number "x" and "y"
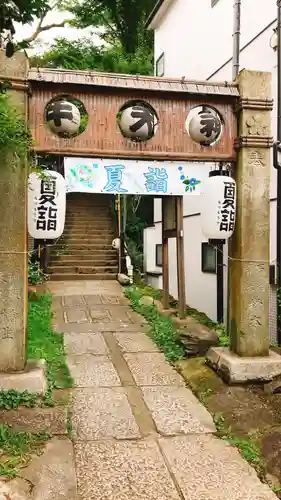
{"x": 170, "y": 335}
{"x": 244, "y": 416}
{"x": 44, "y": 343}
{"x": 16, "y": 448}
{"x": 162, "y": 330}
{"x": 248, "y": 446}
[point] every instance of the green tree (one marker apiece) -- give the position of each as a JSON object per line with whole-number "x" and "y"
{"x": 120, "y": 20}
{"x": 84, "y": 55}
{"x": 20, "y": 11}
{"x": 24, "y": 12}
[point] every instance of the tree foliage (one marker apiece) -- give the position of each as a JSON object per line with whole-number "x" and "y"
{"x": 24, "y": 12}
{"x": 20, "y": 11}
{"x": 84, "y": 55}
{"x": 120, "y": 20}
{"x": 15, "y": 138}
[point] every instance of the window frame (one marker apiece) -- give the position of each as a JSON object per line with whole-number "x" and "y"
{"x": 204, "y": 268}
{"x": 158, "y": 247}
{"x": 161, "y": 59}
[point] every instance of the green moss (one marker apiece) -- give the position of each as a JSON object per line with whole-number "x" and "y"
{"x": 162, "y": 329}
{"x": 44, "y": 343}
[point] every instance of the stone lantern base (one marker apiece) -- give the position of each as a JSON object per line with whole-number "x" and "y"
{"x": 235, "y": 369}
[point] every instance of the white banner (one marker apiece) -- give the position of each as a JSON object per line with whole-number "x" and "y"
{"x": 46, "y": 205}
{"x": 99, "y": 175}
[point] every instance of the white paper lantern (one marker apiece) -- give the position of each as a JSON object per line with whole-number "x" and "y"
{"x": 46, "y": 205}
{"x": 138, "y": 122}
{"x": 218, "y": 208}
{"x": 116, "y": 244}
{"x": 63, "y": 117}
{"x": 204, "y": 125}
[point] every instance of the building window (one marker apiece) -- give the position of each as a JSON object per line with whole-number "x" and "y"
{"x": 214, "y": 2}
{"x": 160, "y": 65}
{"x": 209, "y": 259}
{"x": 158, "y": 255}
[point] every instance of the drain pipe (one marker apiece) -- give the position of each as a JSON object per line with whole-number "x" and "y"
{"x": 236, "y": 39}
{"x": 278, "y": 209}
{"x": 235, "y": 71}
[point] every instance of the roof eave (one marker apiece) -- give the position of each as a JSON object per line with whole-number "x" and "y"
{"x": 47, "y": 76}
{"x": 157, "y": 13}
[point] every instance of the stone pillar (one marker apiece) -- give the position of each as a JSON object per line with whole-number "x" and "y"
{"x": 13, "y": 232}
{"x": 249, "y": 246}
{"x": 249, "y": 358}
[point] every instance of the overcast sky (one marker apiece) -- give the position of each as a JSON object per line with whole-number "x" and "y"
{"x": 47, "y": 37}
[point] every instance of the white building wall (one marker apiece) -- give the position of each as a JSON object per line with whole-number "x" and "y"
{"x": 196, "y": 41}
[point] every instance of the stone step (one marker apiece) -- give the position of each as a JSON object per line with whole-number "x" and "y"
{"x": 88, "y": 215}
{"x": 67, "y": 269}
{"x": 94, "y": 224}
{"x": 82, "y": 277}
{"x": 94, "y": 233}
{"x": 84, "y": 246}
{"x": 88, "y": 218}
{"x": 85, "y": 254}
{"x": 89, "y": 262}
{"x": 70, "y": 240}
{"x": 104, "y": 209}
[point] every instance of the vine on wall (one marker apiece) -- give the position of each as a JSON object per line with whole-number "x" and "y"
{"x": 15, "y": 138}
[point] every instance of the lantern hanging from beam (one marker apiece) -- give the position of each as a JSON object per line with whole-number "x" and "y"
{"x": 63, "y": 117}
{"x": 218, "y": 208}
{"x": 46, "y": 205}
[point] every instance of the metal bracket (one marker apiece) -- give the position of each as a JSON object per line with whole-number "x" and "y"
{"x": 277, "y": 154}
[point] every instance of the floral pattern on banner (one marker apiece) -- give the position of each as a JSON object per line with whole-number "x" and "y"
{"x": 190, "y": 184}
{"x": 84, "y": 174}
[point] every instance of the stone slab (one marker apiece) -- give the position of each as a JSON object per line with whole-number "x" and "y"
{"x": 32, "y": 379}
{"x": 93, "y": 300}
{"x": 114, "y": 326}
{"x": 56, "y": 303}
{"x": 209, "y": 468}
{"x": 85, "y": 343}
{"x": 176, "y": 410}
{"x": 121, "y": 313}
{"x": 102, "y": 413}
{"x": 236, "y": 370}
{"x": 17, "y": 489}
{"x": 53, "y": 473}
{"x": 84, "y": 287}
{"x": 100, "y": 315}
{"x": 52, "y": 420}
{"x": 132, "y": 342}
{"x": 73, "y": 300}
{"x": 122, "y": 471}
{"x": 114, "y": 300}
{"x": 196, "y": 338}
{"x": 92, "y": 371}
{"x": 76, "y": 315}
{"x": 152, "y": 369}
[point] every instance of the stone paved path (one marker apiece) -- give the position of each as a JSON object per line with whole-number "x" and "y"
{"x": 138, "y": 432}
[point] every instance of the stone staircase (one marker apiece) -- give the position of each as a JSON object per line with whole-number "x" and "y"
{"x": 84, "y": 252}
